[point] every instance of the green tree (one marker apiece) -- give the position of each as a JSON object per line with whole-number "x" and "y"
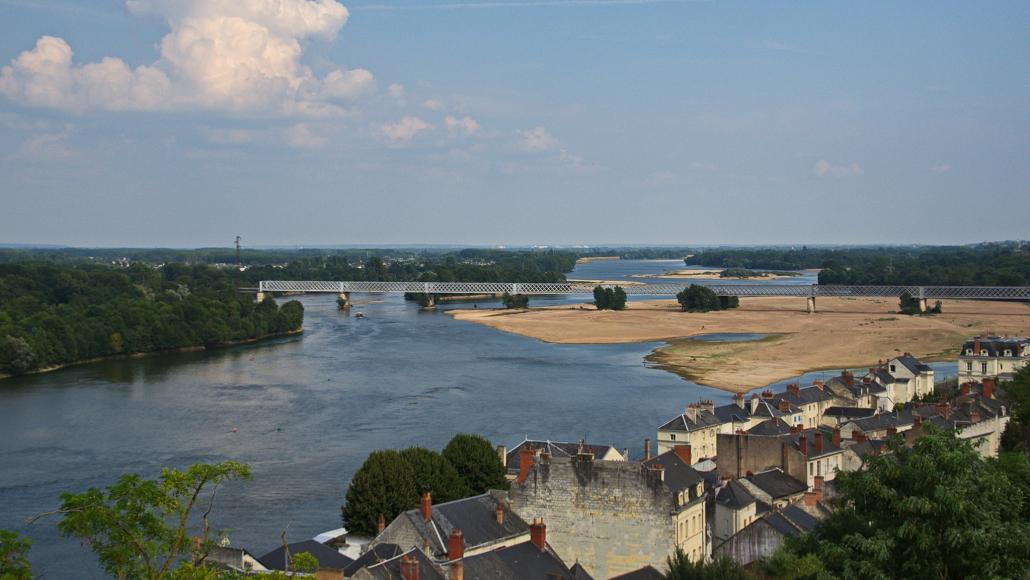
{"x": 16, "y": 356}
{"x": 698, "y": 298}
{"x": 936, "y": 510}
{"x": 679, "y": 567}
{"x": 476, "y": 461}
{"x": 727, "y": 302}
{"x": 617, "y": 299}
{"x": 785, "y": 564}
{"x": 138, "y": 527}
{"x": 601, "y": 298}
{"x": 434, "y": 473}
{"x": 1016, "y": 394}
{"x": 514, "y": 300}
{"x": 303, "y": 563}
{"x": 14, "y": 563}
{"x": 385, "y": 484}
{"x": 908, "y": 304}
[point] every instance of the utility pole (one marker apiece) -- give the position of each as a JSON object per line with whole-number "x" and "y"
{"x": 239, "y": 263}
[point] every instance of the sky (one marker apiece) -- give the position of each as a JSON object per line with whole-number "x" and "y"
{"x": 314, "y": 122}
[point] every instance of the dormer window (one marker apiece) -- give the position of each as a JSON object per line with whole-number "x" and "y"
{"x": 672, "y": 436}
{"x": 1008, "y": 352}
{"x": 893, "y": 368}
{"x": 700, "y": 489}
{"x": 969, "y": 352}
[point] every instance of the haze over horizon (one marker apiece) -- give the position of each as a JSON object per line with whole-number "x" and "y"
{"x": 181, "y": 123}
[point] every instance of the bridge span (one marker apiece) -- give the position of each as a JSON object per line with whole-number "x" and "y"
{"x": 808, "y": 291}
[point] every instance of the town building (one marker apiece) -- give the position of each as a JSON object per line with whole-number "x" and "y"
{"x": 766, "y": 534}
{"x": 735, "y": 509}
{"x": 849, "y": 392}
{"x": 281, "y": 557}
{"x": 995, "y": 357}
{"x": 700, "y": 422}
{"x": 802, "y": 454}
{"x": 613, "y": 517}
{"x": 510, "y": 458}
{"x": 811, "y": 401}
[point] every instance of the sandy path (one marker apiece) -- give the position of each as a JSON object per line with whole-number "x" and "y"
{"x": 846, "y": 332}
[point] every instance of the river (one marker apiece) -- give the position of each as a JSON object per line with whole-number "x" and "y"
{"x": 308, "y": 409}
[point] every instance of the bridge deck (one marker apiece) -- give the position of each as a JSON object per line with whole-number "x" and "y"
{"x": 801, "y": 290}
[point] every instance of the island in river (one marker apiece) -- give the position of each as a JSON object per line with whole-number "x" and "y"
{"x": 721, "y": 273}
{"x": 844, "y": 333}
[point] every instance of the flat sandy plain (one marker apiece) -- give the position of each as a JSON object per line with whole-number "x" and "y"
{"x": 844, "y": 333}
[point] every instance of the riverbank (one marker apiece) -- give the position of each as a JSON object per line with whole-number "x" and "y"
{"x": 137, "y": 355}
{"x": 844, "y": 333}
{"x": 715, "y": 273}
{"x": 589, "y": 259}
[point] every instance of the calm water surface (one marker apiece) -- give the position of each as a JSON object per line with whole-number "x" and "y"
{"x": 308, "y": 410}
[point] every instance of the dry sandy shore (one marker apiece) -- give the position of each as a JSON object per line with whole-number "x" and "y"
{"x": 706, "y": 274}
{"x": 846, "y": 332}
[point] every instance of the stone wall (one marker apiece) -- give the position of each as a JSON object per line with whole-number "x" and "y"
{"x": 610, "y": 516}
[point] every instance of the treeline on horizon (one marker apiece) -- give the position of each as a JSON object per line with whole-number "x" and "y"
{"x": 58, "y": 314}
{"x": 996, "y": 264}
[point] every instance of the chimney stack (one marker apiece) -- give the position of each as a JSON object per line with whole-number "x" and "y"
{"x": 625, "y": 453}
{"x": 502, "y": 453}
{"x": 976, "y": 345}
{"x": 427, "y": 506}
{"x": 816, "y": 495}
{"x": 794, "y": 389}
{"x": 892, "y": 431}
{"x": 767, "y": 394}
{"x": 964, "y": 389}
{"x": 691, "y": 413}
{"x": 683, "y": 452}
{"x": 455, "y": 545}
{"x": 708, "y": 405}
{"x": 456, "y": 570}
{"x": 754, "y": 403}
{"x": 988, "y": 387}
{"x": 818, "y": 383}
{"x": 818, "y": 441}
{"x": 381, "y": 524}
{"x": 409, "y": 567}
{"x": 836, "y": 436}
{"x": 784, "y": 406}
{"x": 917, "y": 420}
{"x": 803, "y": 444}
{"x": 647, "y": 449}
{"x": 526, "y": 455}
{"x": 499, "y": 514}
{"x": 859, "y": 436}
{"x": 538, "y": 534}
{"x": 738, "y": 399}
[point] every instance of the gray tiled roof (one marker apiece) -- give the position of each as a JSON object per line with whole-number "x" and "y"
{"x": 912, "y": 364}
{"x": 776, "y": 483}
{"x": 374, "y": 555}
{"x": 475, "y": 516}
{"x": 996, "y": 345}
{"x": 523, "y": 560}
{"x": 391, "y": 569}
{"x": 734, "y": 496}
{"x": 678, "y": 475}
{"x": 326, "y": 556}
{"x": 771, "y": 428}
{"x": 645, "y": 573}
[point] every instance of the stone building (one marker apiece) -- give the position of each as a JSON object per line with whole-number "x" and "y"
{"x": 995, "y": 357}
{"x": 735, "y": 509}
{"x": 766, "y": 534}
{"x": 612, "y": 517}
{"x": 804, "y": 455}
{"x": 700, "y": 422}
{"x": 510, "y": 458}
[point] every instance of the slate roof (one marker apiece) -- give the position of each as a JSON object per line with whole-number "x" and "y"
{"x": 996, "y": 346}
{"x": 734, "y": 496}
{"x": 326, "y": 556}
{"x": 391, "y": 569}
{"x": 791, "y": 520}
{"x": 776, "y": 483}
{"x": 771, "y": 428}
{"x": 476, "y": 518}
{"x": 805, "y": 396}
{"x": 857, "y": 388}
{"x": 556, "y": 449}
{"x": 679, "y": 476}
{"x": 883, "y": 421}
{"x": 645, "y": 573}
{"x": 523, "y": 560}
{"x": 580, "y": 573}
{"x": 374, "y": 555}
{"x": 912, "y": 364}
{"x": 849, "y": 412}
{"x": 766, "y": 408}
{"x": 812, "y": 434}
{"x": 704, "y": 419}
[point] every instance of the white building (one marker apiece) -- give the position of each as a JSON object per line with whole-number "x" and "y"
{"x": 992, "y": 357}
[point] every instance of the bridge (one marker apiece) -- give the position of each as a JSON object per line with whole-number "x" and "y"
{"x": 808, "y": 291}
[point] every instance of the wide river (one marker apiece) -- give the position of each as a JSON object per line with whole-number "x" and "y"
{"x": 309, "y": 409}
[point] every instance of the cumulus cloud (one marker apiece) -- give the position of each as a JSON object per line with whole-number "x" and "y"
{"x": 219, "y": 54}
{"x": 463, "y": 126}
{"x": 824, "y": 168}
{"x": 537, "y": 139}
{"x": 404, "y": 130}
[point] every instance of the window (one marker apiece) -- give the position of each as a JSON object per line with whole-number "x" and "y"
{"x": 672, "y": 436}
{"x": 983, "y": 368}
{"x": 969, "y": 351}
{"x": 893, "y": 369}
{"x": 1008, "y": 352}
{"x": 810, "y": 469}
{"x": 969, "y": 367}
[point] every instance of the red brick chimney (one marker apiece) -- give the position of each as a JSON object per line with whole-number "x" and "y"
{"x": 526, "y": 454}
{"x": 455, "y": 545}
{"x": 917, "y": 420}
{"x": 409, "y": 567}
{"x": 848, "y": 377}
{"x": 767, "y": 394}
{"x": 738, "y": 399}
{"x": 818, "y": 383}
{"x": 538, "y": 534}
{"x": 859, "y": 436}
{"x": 988, "y": 387}
{"x": 818, "y": 442}
{"x": 803, "y": 444}
{"x": 381, "y": 524}
{"x": 816, "y": 495}
{"x": 647, "y": 449}
{"x": 892, "y": 431}
{"x": 976, "y": 345}
{"x": 794, "y": 389}
{"x": 683, "y": 452}
{"x": 499, "y": 514}
{"x": 836, "y": 436}
{"x": 427, "y": 506}
{"x": 964, "y": 389}
{"x": 784, "y": 405}
{"x": 818, "y": 484}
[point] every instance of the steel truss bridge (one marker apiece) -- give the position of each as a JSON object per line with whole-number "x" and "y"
{"x": 811, "y": 291}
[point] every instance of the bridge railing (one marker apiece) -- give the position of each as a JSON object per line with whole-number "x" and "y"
{"x": 664, "y": 289}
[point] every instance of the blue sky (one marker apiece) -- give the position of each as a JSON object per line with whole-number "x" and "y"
{"x": 187, "y": 122}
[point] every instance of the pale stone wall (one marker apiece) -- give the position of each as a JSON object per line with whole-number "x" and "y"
{"x": 729, "y": 521}
{"x": 611, "y": 516}
{"x": 702, "y": 442}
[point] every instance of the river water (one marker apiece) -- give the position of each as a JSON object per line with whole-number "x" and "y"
{"x": 308, "y": 409}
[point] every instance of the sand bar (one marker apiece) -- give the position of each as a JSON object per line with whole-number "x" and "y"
{"x": 845, "y": 333}
{"x": 710, "y": 273}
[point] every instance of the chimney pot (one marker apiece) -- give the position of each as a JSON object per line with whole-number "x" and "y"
{"x": 409, "y": 567}
{"x": 427, "y": 506}
{"x": 455, "y": 545}
{"x": 538, "y": 534}
{"x": 526, "y": 455}
{"x": 499, "y": 514}
{"x": 647, "y": 449}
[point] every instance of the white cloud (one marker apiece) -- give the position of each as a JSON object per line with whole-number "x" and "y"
{"x": 464, "y": 125}
{"x": 824, "y": 168}
{"x": 46, "y": 147}
{"x": 537, "y": 139}
{"x": 224, "y": 55}
{"x": 942, "y": 168}
{"x": 404, "y": 130}
{"x": 433, "y": 104}
{"x": 396, "y": 91}
{"x": 302, "y": 137}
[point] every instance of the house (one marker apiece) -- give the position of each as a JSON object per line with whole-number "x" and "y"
{"x": 735, "y": 508}
{"x": 510, "y": 459}
{"x": 766, "y": 534}
{"x": 613, "y": 517}
{"x": 811, "y": 401}
{"x": 413, "y": 564}
{"x": 849, "y": 392}
{"x": 917, "y": 376}
{"x": 486, "y": 521}
{"x": 774, "y": 487}
{"x": 328, "y": 558}
{"x": 802, "y": 454}
{"x": 532, "y": 559}
{"x": 995, "y": 357}
{"x": 701, "y": 422}
{"x": 837, "y": 416}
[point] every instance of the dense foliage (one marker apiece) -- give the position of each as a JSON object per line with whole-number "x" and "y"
{"x": 1016, "y": 394}
{"x": 14, "y": 564}
{"x": 515, "y": 300}
{"x": 995, "y": 264}
{"x": 935, "y": 510}
{"x": 52, "y": 315}
{"x": 909, "y": 304}
{"x": 139, "y": 528}
{"x": 746, "y": 273}
{"x": 609, "y": 298}
{"x": 679, "y": 567}
{"x": 390, "y": 482}
{"x": 699, "y": 298}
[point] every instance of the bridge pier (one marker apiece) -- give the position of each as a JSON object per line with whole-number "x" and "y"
{"x": 810, "y": 304}
{"x": 430, "y": 301}
{"x": 259, "y": 297}
{"x": 343, "y": 300}
{"x": 922, "y": 305}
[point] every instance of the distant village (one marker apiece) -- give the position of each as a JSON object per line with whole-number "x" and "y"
{"x": 729, "y": 481}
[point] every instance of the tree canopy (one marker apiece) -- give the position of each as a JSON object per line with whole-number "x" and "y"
{"x": 699, "y": 298}
{"x": 432, "y": 472}
{"x": 383, "y": 485}
{"x": 14, "y": 562}
{"x": 477, "y": 462}
{"x": 609, "y": 298}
